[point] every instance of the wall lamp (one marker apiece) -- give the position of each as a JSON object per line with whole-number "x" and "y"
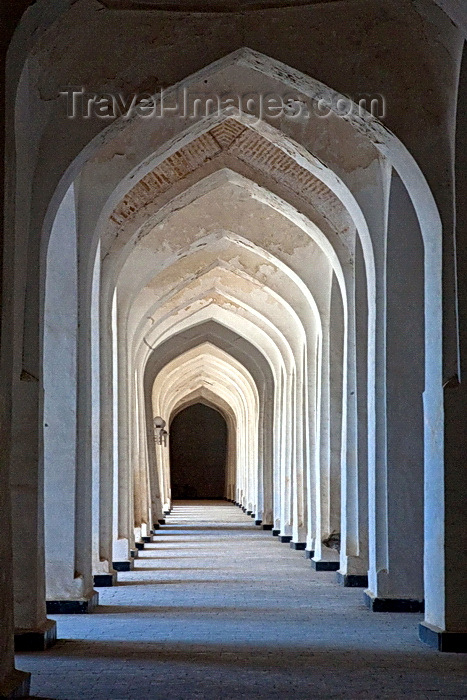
{"x": 159, "y": 431}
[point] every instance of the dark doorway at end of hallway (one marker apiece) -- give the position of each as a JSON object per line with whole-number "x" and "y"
{"x": 198, "y": 452}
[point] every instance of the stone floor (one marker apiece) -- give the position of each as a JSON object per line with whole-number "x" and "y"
{"x": 216, "y": 608}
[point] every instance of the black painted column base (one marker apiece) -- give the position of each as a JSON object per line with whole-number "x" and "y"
{"x": 267, "y": 527}
{"x": 441, "y": 640}
{"x": 161, "y": 521}
{"x": 323, "y": 565}
{"x": 36, "y": 640}
{"x": 276, "y": 533}
{"x": 352, "y": 580}
{"x": 139, "y": 546}
{"x": 147, "y": 538}
{"x": 298, "y": 545}
{"x": 258, "y": 522}
{"x": 406, "y": 605}
{"x": 134, "y": 553}
{"x": 252, "y": 515}
{"x": 125, "y": 565}
{"x": 166, "y": 512}
{"x": 309, "y": 553}
{"x": 73, "y": 607}
{"x": 105, "y": 580}
{"x": 15, "y": 685}
{"x": 285, "y": 539}
{"x": 155, "y": 527}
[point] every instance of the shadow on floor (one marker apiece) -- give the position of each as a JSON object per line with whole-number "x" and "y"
{"x": 232, "y": 612}
{"x": 169, "y": 556}
{"x": 212, "y": 527}
{"x": 260, "y": 657}
{"x": 164, "y": 582}
{"x": 140, "y": 569}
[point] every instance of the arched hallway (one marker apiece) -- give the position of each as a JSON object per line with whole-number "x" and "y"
{"x": 253, "y": 210}
{"x": 218, "y": 608}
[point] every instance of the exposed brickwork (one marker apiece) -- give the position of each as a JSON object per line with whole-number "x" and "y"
{"x": 233, "y": 138}
{"x": 175, "y": 167}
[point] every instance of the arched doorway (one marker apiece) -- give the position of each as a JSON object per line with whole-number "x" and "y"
{"x": 198, "y": 452}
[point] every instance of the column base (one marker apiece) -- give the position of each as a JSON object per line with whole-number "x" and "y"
{"x": 73, "y": 607}
{"x": 258, "y": 522}
{"x": 267, "y": 527}
{"x": 105, "y": 580}
{"x": 123, "y": 565}
{"x": 309, "y": 553}
{"x": 155, "y": 527}
{"x": 285, "y": 539}
{"x": 300, "y": 546}
{"x": 323, "y": 565}
{"x": 161, "y": 521}
{"x": 15, "y": 685}
{"x": 166, "y": 512}
{"x": 133, "y": 554}
{"x": 406, "y": 605}
{"x": 139, "y": 546}
{"x": 276, "y": 533}
{"x": 441, "y": 640}
{"x": 38, "y": 639}
{"x": 252, "y": 515}
{"x": 146, "y": 539}
{"x": 352, "y": 580}
{"x": 248, "y": 512}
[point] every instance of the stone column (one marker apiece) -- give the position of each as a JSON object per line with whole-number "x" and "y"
{"x": 150, "y": 455}
{"x": 267, "y": 401}
{"x": 280, "y": 429}
{"x": 445, "y": 562}
{"x": 67, "y": 421}
{"x": 396, "y": 488}
{"x": 122, "y": 560}
{"x": 289, "y": 437}
{"x": 324, "y": 558}
{"x": 353, "y": 567}
{"x": 103, "y": 572}
{"x": 21, "y": 370}
{"x": 301, "y": 461}
{"x": 445, "y": 623}
{"x": 143, "y": 516}
{"x": 13, "y": 683}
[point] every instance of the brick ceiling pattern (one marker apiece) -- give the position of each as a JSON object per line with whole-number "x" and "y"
{"x": 240, "y": 142}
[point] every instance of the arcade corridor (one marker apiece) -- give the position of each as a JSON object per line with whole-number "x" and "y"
{"x": 249, "y": 212}
{"x": 220, "y": 609}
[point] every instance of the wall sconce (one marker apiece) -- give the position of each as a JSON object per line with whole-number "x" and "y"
{"x": 159, "y": 433}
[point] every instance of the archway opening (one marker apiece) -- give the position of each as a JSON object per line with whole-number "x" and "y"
{"x": 198, "y": 453}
